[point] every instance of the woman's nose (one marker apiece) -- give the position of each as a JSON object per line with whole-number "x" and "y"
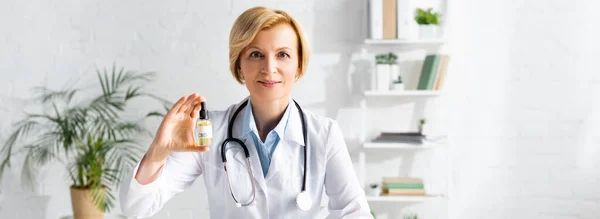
{"x": 269, "y": 66}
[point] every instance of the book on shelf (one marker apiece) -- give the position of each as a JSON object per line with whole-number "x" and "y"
{"x": 382, "y": 19}
{"x": 390, "y": 19}
{"x": 403, "y": 186}
{"x": 399, "y": 137}
{"x": 412, "y": 180}
{"x": 433, "y": 72}
{"x": 404, "y": 192}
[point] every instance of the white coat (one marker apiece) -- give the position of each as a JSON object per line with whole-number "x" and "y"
{"x": 329, "y": 170}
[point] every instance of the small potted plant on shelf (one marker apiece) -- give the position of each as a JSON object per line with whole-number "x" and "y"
{"x": 412, "y": 216}
{"x": 397, "y": 84}
{"x": 386, "y": 70}
{"x": 429, "y": 23}
{"x": 373, "y": 189}
{"x": 422, "y": 126}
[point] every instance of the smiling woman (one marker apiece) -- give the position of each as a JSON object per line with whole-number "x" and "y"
{"x": 290, "y": 156}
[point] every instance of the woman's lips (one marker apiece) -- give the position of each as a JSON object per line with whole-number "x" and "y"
{"x": 269, "y": 83}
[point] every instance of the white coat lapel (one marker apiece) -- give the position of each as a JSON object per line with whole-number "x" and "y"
{"x": 290, "y": 146}
{"x": 254, "y": 161}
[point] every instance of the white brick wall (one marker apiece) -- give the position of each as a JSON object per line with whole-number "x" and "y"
{"x": 525, "y": 109}
{"x": 523, "y": 98}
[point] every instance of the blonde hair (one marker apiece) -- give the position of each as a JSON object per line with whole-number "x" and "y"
{"x": 253, "y": 20}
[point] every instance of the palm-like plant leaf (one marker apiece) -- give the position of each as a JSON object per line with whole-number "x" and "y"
{"x": 23, "y": 128}
{"x": 45, "y": 95}
{"x": 28, "y": 173}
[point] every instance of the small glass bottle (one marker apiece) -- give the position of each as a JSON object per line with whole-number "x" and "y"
{"x": 204, "y": 127}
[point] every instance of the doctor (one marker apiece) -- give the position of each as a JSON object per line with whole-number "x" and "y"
{"x": 293, "y": 156}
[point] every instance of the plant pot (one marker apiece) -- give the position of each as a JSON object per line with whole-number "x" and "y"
{"x": 398, "y": 86}
{"x": 423, "y": 129}
{"x": 429, "y": 32}
{"x": 83, "y": 206}
{"x": 373, "y": 191}
{"x": 383, "y": 77}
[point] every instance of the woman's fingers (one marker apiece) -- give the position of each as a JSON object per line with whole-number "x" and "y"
{"x": 187, "y": 104}
{"x": 175, "y": 108}
{"x": 194, "y": 111}
{"x": 196, "y": 148}
{"x": 196, "y": 101}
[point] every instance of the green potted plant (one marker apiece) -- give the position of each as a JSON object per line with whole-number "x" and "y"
{"x": 90, "y": 138}
{"x": 410, "y": 216}
{"x": 429, "y": 23}
{"x": 386, "y": 70}
{"x": 398, "y": 84}
{"x": 374, "y": 189}
{"x": 422, "y": 126}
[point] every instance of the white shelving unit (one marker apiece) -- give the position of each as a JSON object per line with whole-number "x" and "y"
{"x": 403, "y": 198}
{"x": 417, "y": 97}
{"x": 392, "y": 93}
{"x": 404, "y": 42}
{"x": 403, "y": 146}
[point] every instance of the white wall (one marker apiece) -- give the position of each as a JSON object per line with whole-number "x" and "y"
{"x": 519, "y": 106}
{"x": 525, "y": 109}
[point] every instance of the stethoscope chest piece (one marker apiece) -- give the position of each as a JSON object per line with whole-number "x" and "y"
{"x": 304, "y": 201}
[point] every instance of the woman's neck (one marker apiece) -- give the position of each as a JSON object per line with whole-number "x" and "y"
{"x": 267, "y": 114}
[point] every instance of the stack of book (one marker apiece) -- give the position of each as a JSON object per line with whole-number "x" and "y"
{"x": 391, "y": 19}
{"x": 403, "y": 186}
{"x": 400, "y": 137}
{"x": 433, "y": 72}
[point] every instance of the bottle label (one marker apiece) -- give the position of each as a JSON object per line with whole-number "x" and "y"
{"x": 205, "y": 132}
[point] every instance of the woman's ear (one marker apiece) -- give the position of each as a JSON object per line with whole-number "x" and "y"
{"x": 241, "y": 76}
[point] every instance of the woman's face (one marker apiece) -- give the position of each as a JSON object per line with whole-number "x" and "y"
{"x": 270, "y": 63}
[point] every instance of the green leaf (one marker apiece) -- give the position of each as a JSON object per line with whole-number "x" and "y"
{"x": 427, "y": 17}
{"x": 45, "y": 95}
{"x": 132, "y": 92}
{"x": 23, "y": 128}
{"x": 155, "y": 113}
{"x": 28, "y": 173}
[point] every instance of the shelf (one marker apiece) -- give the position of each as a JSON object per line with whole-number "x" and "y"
{"x": 376, "y": 145}
{"x": 403, "y": 93}
{"x": 385, "y": 198}
{"x": 404, "y": 42}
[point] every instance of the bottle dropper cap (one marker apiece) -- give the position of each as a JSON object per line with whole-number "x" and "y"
{"x": 203, "y": 111}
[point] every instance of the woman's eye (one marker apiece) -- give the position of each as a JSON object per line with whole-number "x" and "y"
{"x": 284, "y": 55}
{"x": 255, "y": 55}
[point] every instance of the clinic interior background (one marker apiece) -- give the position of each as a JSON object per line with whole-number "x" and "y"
{"x": 521, "y": 104}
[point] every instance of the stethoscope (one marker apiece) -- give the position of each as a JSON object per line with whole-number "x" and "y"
{"x": 303, "y": 200}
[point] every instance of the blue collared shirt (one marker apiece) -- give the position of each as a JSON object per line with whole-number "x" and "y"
{"x": 265, "y": 149}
